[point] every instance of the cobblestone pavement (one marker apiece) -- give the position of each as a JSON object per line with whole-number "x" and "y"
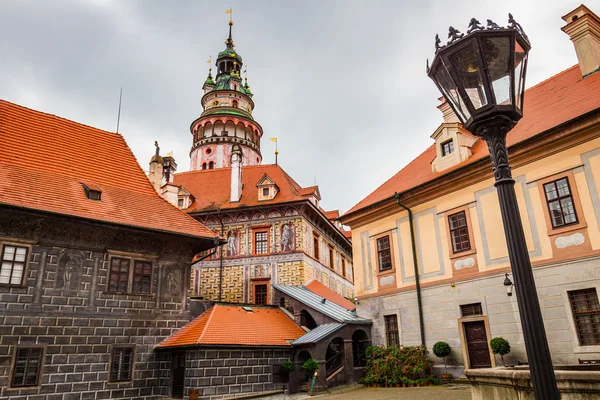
{"x": 445, "y": 392}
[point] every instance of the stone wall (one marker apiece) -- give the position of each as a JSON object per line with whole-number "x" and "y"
{"x": 77, "y": 321}
{"x": 441, "y": 308}
{"x": 230, "y": 372}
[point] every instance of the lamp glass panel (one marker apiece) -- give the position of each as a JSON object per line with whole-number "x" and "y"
{"x": 450, "y": 91}
{"x": 520, "y": 59}
{"x": 497, "y": 57}
{"x": 466, "y": 64}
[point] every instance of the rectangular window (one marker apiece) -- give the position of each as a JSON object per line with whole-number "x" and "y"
{"x": 343, "y": 267}
{"x": 27, "y": 366}
{"x": 459, "y": 232}
{"x": 468, "y": 310}
{"x": 142, "y": 277}
{"x": 447, "y": 147}
{"x": 316, "y": 246}
{"x": 560, "y": 203}
{"x": 261, "y": 242}
{"x": 13, "y": 264}
{"x": 586, "y": 313}
{"x": 266, "y": 192}
{"x": 119, "y": 275}
{"x": 130, "y": 276}
{"x": 180, "y": 203}
{"x": 331, "y": 259}
{"x": 384, "y": 254}
{"x": 121, "y": 364}
{"x": 260, "y": 294}
{"x": 391, "y": 330}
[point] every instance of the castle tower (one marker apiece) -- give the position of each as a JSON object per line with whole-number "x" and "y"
{"x": 227, "y": 117}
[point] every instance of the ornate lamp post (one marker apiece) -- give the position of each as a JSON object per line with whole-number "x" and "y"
{"x": 482, "y": 76}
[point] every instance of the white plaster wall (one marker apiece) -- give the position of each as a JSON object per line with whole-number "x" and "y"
{"x": 441, "y": 311}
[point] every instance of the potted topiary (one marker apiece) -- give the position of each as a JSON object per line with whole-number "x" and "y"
{"x": 310, "y": 366}
{"x": 500, "y": 346}
{"x": 442, "y": 350}
{"x": 286, "y": 367}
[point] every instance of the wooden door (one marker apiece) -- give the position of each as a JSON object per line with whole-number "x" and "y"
{"x": 477, "y": 345}
{"x": 178, "y": 375}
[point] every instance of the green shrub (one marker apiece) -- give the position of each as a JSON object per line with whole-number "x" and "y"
{"x": 287, "y": 366}
{"x": 396, "y": 365}
{"x": 500, "y": 346}
{"x": 310, "y": 366}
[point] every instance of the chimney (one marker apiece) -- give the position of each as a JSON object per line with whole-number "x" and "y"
{"x": 447, "y": 111}
{"x": 156, "y": 169}
{"x": 236, "y": 173}
{"x": 583, "y": 27}
{"x": 169, "y": 168}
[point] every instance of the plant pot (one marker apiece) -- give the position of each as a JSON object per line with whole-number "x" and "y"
{"x": 447, "y": 378}
{"x": 194, "y": 394}
{"x": 404, "y": 385}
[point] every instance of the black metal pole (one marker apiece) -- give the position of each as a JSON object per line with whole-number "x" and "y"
{"x": 494, "y": 131}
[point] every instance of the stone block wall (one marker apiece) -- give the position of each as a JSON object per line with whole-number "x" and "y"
{"x": 230, "y": 372}
{"x": 290, "y": 273}
{"x": 232, "y": 287}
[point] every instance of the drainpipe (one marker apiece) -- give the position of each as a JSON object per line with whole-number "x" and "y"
{"x": 416, "y": 266}
{"x": 220, "y": 259}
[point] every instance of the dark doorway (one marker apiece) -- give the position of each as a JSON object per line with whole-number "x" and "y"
{"x": 303, "y": 356}
{"x": 477, "y": 345}
{"x": 307, "y": 320}
{"x": 360, "y": 342}
{"x": 178, "y": 374}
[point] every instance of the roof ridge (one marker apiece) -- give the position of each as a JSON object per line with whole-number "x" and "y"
{"x": 9, "y": 103}
{"x": 212, "y": 309}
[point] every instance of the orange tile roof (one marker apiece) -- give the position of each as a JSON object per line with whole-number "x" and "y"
{"x": 232, "y": 325}
{"x": 212, "y": 188}
{"x": 552, "y": 102}
{"x": 44, "y": 159}
{"x": 348, "y": 234}
{"x": 332, "y": 214}
{"x": 321, "y": 290}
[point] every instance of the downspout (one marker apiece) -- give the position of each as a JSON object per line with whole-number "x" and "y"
{"x": 220, "y": 258}
{"x": 416, "y": 266}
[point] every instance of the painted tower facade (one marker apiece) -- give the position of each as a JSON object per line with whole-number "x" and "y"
{"x": 226, "y": 119}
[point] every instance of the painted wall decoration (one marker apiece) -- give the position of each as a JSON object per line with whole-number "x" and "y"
{"x": 261, "y": 271}
{"x": 288, "y": 237}
{"x": 173, "y": 282}
{"x": 69, "y": 271}
{"x": 233, "y": 243}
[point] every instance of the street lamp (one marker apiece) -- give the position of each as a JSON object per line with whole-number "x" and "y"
{"x": 508, "y": 285}
{"x": 482, "y": 76}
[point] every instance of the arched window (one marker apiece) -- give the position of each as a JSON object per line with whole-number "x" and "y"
{"x": 211, "y": 165}
{"x": 307, "y": 320}
{"x": 235, "y": 103}
{"x": 204, "y": 166}
{"x": 235, "y": 88}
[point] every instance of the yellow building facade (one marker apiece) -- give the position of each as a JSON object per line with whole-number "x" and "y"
{"x": 454, "y": 230}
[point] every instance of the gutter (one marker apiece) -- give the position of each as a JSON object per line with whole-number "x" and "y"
{"x": 416, "y": 267}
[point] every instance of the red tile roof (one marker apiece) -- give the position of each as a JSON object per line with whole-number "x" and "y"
{"x": 44, "y": 159}
{"x": 232, "y": 325}
{"x": 212, "y": 188}
{"x": 321, "y": 290}
{"x": 552, "y": 102}
{"x": 332, "y": 214}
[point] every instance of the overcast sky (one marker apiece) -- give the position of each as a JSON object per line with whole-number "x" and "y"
{"x": 341, "y": 84}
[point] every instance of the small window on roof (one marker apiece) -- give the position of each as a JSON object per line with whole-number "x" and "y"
{"x": 248, "y": 309}
{"x": 92, "y": 193}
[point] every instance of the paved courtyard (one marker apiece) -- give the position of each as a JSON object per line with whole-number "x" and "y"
{"x": 446, "y": 392}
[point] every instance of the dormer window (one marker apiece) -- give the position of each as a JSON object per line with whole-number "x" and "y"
{"x": 267, "y": 189}
{"x": 447, "y": 147}
{"x": 180, "y": 203}
{"x": 266, "y": 192}
{"x": 92, "y": 193}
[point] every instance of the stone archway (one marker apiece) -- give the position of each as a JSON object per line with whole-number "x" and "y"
{"x": 360, "y": 342}
{"x": 307, "y": 320}
{"x": 302, "y": 357}
{"x": 334, "y": 357}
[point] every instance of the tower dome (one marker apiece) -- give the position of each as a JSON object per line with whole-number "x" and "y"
{"x": 226, "y": 120}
